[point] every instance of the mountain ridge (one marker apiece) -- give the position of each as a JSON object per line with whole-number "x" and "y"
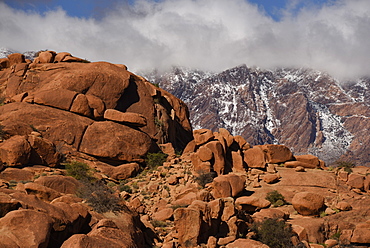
{"x": 305, "y": 109}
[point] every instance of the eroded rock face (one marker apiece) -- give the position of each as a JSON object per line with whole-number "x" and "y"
{"x": 66, "y": 101}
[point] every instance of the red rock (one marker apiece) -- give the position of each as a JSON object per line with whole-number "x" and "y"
{"x": 243, "y": 144}
{"x": 16, "y": 58}
{"x": 190, "y": 147}
{"x": 199, "y": 166}
{"x": 237, "y": 162}
{"x": 70, "y": 58}
{"x": 55, "y": 125}
{"x": 120, "y": 172}
{"x": 228, "y": 185}
{"x": 16, "y": 174}
{"x": 227, "y": 136}
{"x": 202, "y": 136}
{"x": 133, "y": 119}
{"x": 294, "y": 164}
{"x": 309, "y": 159}
{"x": 219, "y": 157}
{"x": 46, "y": 56}
{"x": 343, "y": 206}
{"x": 80, "y": 105}
{"x": 251, "y": 203}
{"x": 112, "y": 140}
{"x": 356, "y": 181}
{"x": 204, "y": 153}
{"x": 42, "y": 192}
{"x": 18, "y": 229}
{"x": 330, "y": 243}
{"x": 163, "y": 214}
{"x": 276, "y": 153}
{"x": 228, "y": 208}
{"x": 60, "y": 56}
{"x": 255, "y": 158}
{"x": 58, "y": 98}
{"x": 306, "y": 203}
{"x": 187, "y": 223}
{"x": 269, "y": 213}
{"x": 271, "y": 178}
{"x": 7, "y": 204}
{"x": 168, "y": 149}
{"x": 97, "y": 105}
{"x": 62, "y": 184}
{"x": 250, "y": 243}
{"x": 15, "y": 151}
{"x": 19, "y": 97}
{"x": 300, "y": 231}
{"x": 108, "y": 233}
{"x": 361, "y": 234}
{"x": 4, "y": 63}
{"x": 43, "y": 152}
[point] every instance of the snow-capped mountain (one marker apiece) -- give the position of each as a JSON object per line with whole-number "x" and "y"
{"x": 4, "y": 52}
{"x": 306, "y": 110}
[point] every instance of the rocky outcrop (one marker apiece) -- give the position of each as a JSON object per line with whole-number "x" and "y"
{"x": 100, "y": 109}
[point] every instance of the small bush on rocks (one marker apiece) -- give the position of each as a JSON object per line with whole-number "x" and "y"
{"x": 153, "y": 160}
{"x": 274, "y": 233}
{"x": 275, "y": 198}
{"x": 205, "y": 178}
{"x": 99, "y": 197}
{"x": 346, "y": 165}
{"x": 79, "y": 170}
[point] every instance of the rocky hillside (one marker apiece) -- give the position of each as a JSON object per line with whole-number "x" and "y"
{"x": 90, "y": 157}
{"x": 306, "y": 110}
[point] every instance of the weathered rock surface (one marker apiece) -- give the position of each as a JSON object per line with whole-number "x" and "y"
{"x": 65, "y": 101}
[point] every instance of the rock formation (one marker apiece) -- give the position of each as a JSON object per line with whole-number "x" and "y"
{"x": 98, "y": 109}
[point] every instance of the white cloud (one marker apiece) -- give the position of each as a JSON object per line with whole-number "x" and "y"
{"x": 205, "y": 34}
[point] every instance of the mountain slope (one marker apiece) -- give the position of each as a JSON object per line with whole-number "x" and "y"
{"x": 304, "y": 109}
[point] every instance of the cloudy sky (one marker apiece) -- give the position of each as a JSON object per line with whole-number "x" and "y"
{"x": 329, "y": 35}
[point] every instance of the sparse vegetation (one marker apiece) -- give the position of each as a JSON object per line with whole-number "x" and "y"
{"x": 79, "y": 170}
{"x": 99, "y": 197}
{"x": 125, "y": 188}
{"x": 336, "y": 235}
{"x": 205, "y": 178}
{"x": 274, "y": 233}
{"x": 158, "y": 123}
{"x": 346, "y": 165}
{"x": 96, "y": 193}
{"x": 153, "y": 160}
{"x": 275, "y": 198}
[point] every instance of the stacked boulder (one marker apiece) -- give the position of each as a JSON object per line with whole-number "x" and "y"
{"x": 222, "y": 153}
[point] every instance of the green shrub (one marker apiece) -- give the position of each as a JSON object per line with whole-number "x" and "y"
{"x": 336, "y": 235}
{"x": 205, "y": 178}
{"x": 346, "y": 165}
{"x": 79, "y": 170}
{"x": 153, "y": 160}
{"x": 99, "y": 197}
{"x": 125, "y": 188}
{"x": 274, "y": 233}
{"x": 275, "y": 198}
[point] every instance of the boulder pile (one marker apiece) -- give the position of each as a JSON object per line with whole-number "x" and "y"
{"x": 69, "y": 105}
